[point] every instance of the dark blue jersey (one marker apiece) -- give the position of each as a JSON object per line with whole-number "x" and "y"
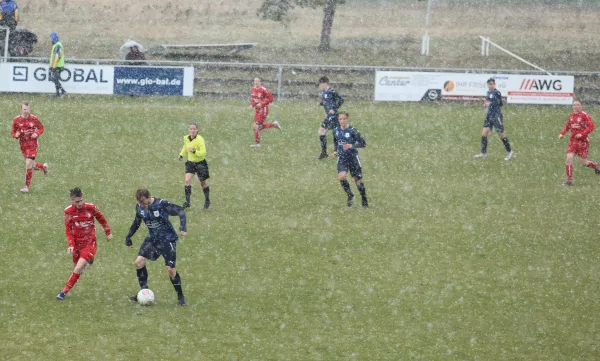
{"x": 156, "y": 217}
{"x": 348, "y": 136}
{"x": 494, "y": 99}
{"x": 330, "y": 99}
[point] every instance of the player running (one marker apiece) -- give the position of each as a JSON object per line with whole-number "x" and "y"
{"x": 493, "y": 119}
{"x": 260, "y": 99}
{"x": 81, "y": 234}
{"x": 161, "y": 240}
{"x": 195, "y": 149}
{"x": 348, "y": 140}
{"x": 581, "y": 125}
{"x": 27, "y": 128}
{"x": 331, "y": 101}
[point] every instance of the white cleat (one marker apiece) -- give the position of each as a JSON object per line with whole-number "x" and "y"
{"x": 255, "y": 145}
{"x": 480, "y": 155}
{"x": 24, "y": 190}
{"x": 45, "y": 169}
{"x": 276, "y": 125}
{"x": 509, "y": 155}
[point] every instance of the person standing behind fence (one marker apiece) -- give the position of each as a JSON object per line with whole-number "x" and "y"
{"x": 9, "y": 14}
{"x": 57, "y": 64}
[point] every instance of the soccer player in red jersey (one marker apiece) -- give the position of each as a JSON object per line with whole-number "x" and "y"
{"x": 261, "y": 98}
{"x": 27, "y": 128}
{"x": 81, "y": 234}
{"x": 581, "y": 125}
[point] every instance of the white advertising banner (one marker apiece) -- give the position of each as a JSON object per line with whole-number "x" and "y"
{"x": 541, "y": 89}
{"x": 409, "y": 86}
{"x": 519, "y": 89}
{"x": 76, "y": 79}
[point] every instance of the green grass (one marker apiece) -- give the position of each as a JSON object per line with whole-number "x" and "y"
{"x": 455, "y": 259}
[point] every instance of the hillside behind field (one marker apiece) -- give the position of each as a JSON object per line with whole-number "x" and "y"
{"x": 554, "y": 36}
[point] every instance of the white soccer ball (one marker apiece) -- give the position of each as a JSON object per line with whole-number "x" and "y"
{"x": 145, "y": 297}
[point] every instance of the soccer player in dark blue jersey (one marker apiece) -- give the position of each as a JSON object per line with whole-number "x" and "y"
{"x": 493, "y": 119}
{"x": 348, "y": 140}
{"x": 331, "y": 102}
{"x": 161, "y": 239}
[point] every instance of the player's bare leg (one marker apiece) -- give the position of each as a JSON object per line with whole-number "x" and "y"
{"x": 77, "y": 272}
{"x": 346, "y": 187}
{"x": 176, "y": 281}
{"x": 590, "y": 164}
{"x": 142, "y": 274}
{"x": 363, "y": 192}
{"x": 484, "y": 142}
{"x": 188, "y": 189}
{"x": 569, "y": 170}
{"x": 506, "y": 142}
{"x": 323, "y": 139}
{"x": 206, "y": 191}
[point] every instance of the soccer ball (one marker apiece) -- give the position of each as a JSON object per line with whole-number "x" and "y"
{"x": 145, "y": 297}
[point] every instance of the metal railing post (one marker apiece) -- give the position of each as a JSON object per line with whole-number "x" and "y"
{"x": 279, "y": 81}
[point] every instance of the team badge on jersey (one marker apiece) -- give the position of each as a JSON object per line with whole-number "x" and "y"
{"x": 156, "y": 213}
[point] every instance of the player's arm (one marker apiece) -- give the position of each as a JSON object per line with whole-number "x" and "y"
{"x": 69, "y": 230}
{"x": 15, "y": 132}
{"x": 16, "y": 11}
{"x": 268, "y": 97}
{"x": 359, "y": 141}
{"x": 183, "y": 150}
{"x": 338, "y": 100}
{"x": 102, "y": 220}
{"x": 565, "y": 130}
{"x": 137, "y": 221}
{"x": 175, "y": 210}
{"x": 200, "y": 149}
{"x": 590, "y": 126}
{"x": 39, "y": 126}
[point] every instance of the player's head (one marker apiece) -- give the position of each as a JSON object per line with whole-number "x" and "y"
{"x": 143, "y": 197}
{"x": 193, "y": 128}
{"x": 25, "y": 109}
{"x": 257, "y": 82}
{"x": 491, "y": 83}
{"x": 577, "y": 107}
{"x": 323, "y": 82}
{"x": 54, "y": 37}
{"x": 76, "y": 196}
{"x": 343, "y": 118}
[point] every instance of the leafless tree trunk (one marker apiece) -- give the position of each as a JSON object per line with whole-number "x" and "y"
{"x": 328, "y": 12}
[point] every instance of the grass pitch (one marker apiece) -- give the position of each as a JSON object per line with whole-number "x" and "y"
{"x": 456, "y": 259}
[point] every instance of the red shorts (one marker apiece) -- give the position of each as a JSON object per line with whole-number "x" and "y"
{"x": 85, "y": 251}
{"x": 579, "y": 148}
{"x": 29, "y": 151}
{"x": 261, "y": 115}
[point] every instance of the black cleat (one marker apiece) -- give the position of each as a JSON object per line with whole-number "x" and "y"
{"x": 365, "y": 203}
{"x": 566, "y": 184}
{"x": 133, "y": 298}
{"x": 597, "y": 170}
{"x": 185, "y": 205}
{"x": 207, "y": 205}
{"x": 350, "y": 199}
{"x": 181, "y": 301}
{"x": 322, "y": 156}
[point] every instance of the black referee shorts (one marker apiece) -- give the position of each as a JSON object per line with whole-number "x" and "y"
{"x": 199, "y": 168}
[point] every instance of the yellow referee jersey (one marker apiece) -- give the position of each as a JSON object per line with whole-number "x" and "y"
{"x": 197, "y": 143}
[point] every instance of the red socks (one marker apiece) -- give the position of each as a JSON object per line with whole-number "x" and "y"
{"x": 71, "y": 282}
{"x": 39, "y": 166}
{"x": 591, "y": 164}
{"x": 28, "y": 176}
{"x": 569, "y": 169}
{"x": 257, "y": 136}
{"x": 267, "y": 125}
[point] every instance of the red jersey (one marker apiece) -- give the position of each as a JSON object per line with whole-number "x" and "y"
{"x": 261, "y": 96}
{"x": 26, "y": 128}
{"x": 579, "y": 123}
{"x": 80, "y": 226}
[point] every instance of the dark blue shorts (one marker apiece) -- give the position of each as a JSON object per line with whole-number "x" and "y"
{"x": 153, "y": 249}
{"x": 331, "y": 122}
{"x": 350, "y": 163}
{"x": 494, "y": 121}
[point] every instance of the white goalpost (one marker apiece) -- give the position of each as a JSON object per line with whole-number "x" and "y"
{"x": 485, "y": 51}
{"x": 5, "y": 57}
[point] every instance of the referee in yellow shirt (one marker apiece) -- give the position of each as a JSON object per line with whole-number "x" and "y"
{"x": 194, "y": 147}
